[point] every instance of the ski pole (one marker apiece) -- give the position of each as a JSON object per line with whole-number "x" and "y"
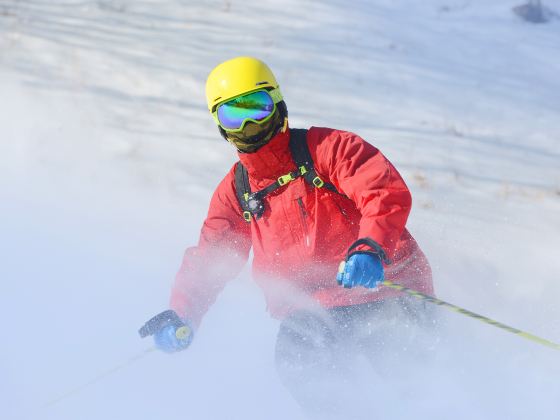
{"x": 99, "y": 377}
{"x": 468, "y": 313}
{"x": 155, "y": 324}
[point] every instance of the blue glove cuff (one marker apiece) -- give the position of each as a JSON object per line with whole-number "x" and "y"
{"x": 375, "y": 249}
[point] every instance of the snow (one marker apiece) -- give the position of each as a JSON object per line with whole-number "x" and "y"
{"x": 108, "y": 158}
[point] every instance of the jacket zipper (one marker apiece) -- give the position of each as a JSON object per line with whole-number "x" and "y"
{"x": 344, "y": 214}
{"x": 303, "y": 215}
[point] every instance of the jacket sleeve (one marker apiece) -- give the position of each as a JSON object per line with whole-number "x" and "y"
{"x": 222, "y": 251}
{"x": 364, "y": 175}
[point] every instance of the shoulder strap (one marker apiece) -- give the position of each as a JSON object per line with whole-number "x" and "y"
{"x": 303, "y": 160}
{"x": 243, "y": 189}
{"x": 252, "y": 203}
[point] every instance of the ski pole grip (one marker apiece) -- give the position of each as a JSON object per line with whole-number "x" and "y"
{"x": 162, "y": 320}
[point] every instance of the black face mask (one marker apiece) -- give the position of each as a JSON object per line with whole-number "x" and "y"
{"x": 254, "y": 136}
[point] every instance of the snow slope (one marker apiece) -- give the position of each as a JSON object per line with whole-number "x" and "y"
{"x": 108, "y": 159}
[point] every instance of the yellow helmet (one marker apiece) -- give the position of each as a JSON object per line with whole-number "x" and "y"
{"x": 235, "y": 77}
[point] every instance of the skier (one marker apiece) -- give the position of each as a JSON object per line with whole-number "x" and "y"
{"x": 304, "y": 201}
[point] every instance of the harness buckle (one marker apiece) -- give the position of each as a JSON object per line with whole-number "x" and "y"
{"x": 318, "y": 182}
{"x": 247, "y": 216}
{"x": 285, "y": 179}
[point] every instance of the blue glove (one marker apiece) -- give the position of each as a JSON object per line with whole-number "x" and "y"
{"x": 171, "y": 333}
{"x": 173, "y": 338}
{"x": 361, "y": 269}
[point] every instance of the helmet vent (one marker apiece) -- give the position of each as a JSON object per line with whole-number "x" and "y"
{"x": 261, "y": 83}
{"x": 219, "y": 97}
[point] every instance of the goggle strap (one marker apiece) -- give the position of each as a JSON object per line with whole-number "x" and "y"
{"x": 275, "y": 95}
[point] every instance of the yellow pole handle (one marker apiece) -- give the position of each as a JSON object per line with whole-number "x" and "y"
{"x": 183, "y": 332}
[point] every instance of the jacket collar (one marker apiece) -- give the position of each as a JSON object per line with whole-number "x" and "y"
{"x": 270, "y": 161}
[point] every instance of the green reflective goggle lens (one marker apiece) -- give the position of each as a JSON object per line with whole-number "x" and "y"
{"x": 256, "y": 106}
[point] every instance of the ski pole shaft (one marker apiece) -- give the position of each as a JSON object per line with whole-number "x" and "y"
{"x": 99, "y": 377}
{"x": 470, "y": 314}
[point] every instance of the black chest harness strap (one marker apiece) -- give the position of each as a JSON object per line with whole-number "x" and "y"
{"x": 252, "y": 203}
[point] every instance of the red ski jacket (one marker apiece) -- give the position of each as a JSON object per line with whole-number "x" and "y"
{"x": 305, "y": 231}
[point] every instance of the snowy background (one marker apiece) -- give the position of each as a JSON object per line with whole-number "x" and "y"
{"x": 108, "y": 159}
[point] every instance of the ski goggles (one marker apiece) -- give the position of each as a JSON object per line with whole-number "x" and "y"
{"x": 257, "y": 107}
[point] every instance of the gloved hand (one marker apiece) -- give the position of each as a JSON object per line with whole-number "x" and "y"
{"x": 170, "y": 332}
{"x": 361, "y": 269}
